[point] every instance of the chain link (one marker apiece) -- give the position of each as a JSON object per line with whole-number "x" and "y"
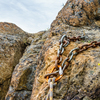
{"x": 86, "y": 46}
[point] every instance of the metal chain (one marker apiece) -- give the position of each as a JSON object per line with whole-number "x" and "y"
{"x": 64, "y": 42}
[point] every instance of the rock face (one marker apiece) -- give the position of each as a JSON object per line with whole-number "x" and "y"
{"x": 24, "y": 72}
{"x": 9, "y": 28}
{"x": 12, "y": 46}
{"x": 77, "y": 13}
{"x": 25, "y": 58}
{"x": 11, "y": 50}
{"x": 80, "y": 79}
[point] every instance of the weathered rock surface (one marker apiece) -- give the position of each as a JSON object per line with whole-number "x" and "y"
{"x": 10, "y": 28}
{"x": 24, "y": 72}
{"x": 77, "y": 13}
{"x": 80, "y": 80}
{"x": 12, "y": 45}
{"x": 11, "y": 50}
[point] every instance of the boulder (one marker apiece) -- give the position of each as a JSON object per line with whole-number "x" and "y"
{"x": 24, "y": 73}
{"x": 11, "y": 50}
{"x": 13, "y": 42}
{"x": 77, "y": 13}
{"x": 81, "y": 78}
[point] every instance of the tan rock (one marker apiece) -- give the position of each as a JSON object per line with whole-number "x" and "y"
{"x": 10, "y": 28}
{"x": 77, "y": 13}
{"x": 11, "y": 50}
{"x": 13, "y": 41}
{"x": 97, "y": 23}
{"x": 24, "y": 72}
{"x": 80, "y": 79}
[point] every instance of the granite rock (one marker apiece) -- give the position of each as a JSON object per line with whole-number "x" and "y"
{"x": 24, "y": 72}
{"x": 80, "y": 79}
{"x": 11, "y": 50}
{"x": 13, "y": 42}
{"x": 77, "y": 13}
